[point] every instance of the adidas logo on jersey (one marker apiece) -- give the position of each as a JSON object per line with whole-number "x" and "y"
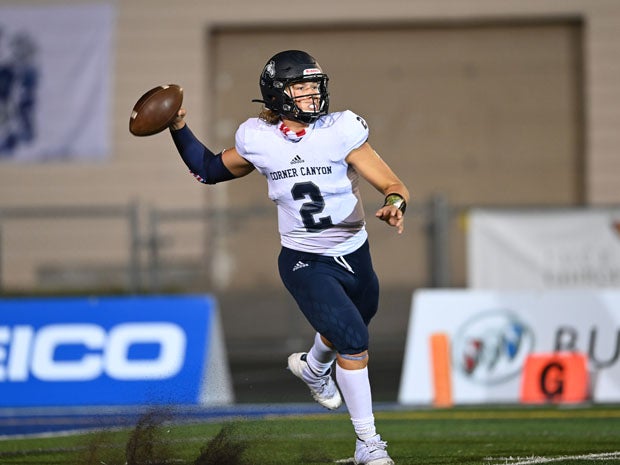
{"x": 296, "y": 159}
{"x": 299, "y": 265}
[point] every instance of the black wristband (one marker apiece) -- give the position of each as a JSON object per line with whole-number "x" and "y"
{"x": 397, "y": 200}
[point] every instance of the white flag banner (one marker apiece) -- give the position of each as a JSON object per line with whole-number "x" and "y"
{"x": 55, "y": 79}
{"x": 544, "y": 249}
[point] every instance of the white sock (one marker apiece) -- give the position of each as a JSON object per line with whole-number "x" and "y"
{"x": 320, "y": 356}
{"x": 364, "y": 427}
{"x": 355, "y": 389}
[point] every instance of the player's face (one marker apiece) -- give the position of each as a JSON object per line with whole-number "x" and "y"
{"x": 307, "y": 95}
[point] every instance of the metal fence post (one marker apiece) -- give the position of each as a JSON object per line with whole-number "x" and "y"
{"x": 153, "y": 248}
{"x": 439, "y": 241}
{"x": 134, "y": 248}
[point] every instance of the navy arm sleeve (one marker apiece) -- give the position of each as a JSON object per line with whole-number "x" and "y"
{"x": 206, "y": 166}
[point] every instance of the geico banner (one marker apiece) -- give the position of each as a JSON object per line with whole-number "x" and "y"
{"x": 111, "y": 351}
{"x": 544, "y": 249}
{"x": 488, "y": 335}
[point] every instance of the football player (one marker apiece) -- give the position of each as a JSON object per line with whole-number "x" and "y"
{"x": 313, "y": 160}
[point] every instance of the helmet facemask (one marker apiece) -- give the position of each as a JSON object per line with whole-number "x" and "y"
{"x": 290, "y": 108}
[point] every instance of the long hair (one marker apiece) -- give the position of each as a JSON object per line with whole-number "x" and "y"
{"x": 269, "y": 116}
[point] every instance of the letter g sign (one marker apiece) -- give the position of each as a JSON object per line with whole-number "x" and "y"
{"x": 559, "y": 377}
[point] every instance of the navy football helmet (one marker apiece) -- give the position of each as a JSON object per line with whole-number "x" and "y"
{"x": 284, "y": 69}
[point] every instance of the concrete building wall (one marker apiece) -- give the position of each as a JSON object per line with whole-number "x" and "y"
{"x": 200, "y": 43}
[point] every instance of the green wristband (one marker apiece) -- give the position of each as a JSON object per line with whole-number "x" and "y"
{"x": 397, "y": 200}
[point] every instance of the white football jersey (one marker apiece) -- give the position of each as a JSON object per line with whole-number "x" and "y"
{"x": 319, "y": 205}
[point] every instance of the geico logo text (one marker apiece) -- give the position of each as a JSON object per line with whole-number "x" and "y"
{"x": 29, "y": 352}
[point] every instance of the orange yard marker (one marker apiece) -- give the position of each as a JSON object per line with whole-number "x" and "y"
{"x": 559, "y": 377}
{"x": 442, "y": 370}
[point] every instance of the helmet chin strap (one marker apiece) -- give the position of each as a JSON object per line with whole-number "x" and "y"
{"x": 304, "y": 117}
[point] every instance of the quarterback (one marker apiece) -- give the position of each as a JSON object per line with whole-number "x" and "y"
{"x": 313, "y": 161}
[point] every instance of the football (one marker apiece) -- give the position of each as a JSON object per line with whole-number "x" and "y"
{"x": 155, "y": 110}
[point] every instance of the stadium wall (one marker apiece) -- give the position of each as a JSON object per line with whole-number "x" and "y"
{"x": 157, "y": 42}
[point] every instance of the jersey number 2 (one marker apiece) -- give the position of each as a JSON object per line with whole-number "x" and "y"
{"x": 308, "y": 210}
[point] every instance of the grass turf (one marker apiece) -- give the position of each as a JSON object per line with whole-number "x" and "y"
{"x": 482, "y": 436}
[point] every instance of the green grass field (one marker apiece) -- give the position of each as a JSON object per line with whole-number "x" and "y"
{"x": 483, "y": 436}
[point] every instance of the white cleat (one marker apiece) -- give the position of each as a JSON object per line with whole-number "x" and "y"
{"x": 323, "y": 388}
{"x": 372, "y": 452}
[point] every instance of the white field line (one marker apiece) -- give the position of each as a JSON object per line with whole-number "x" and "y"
{"x": 562, "y": 458}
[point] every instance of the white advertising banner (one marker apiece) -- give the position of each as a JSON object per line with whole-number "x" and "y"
{"x": 490, "y": 334}
{"x": 55, "y": 73}
{"x": 544, "y": 249}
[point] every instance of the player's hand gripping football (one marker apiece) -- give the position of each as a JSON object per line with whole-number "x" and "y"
{"x": 392, "y": 216}
{"x": 179, "y": 121}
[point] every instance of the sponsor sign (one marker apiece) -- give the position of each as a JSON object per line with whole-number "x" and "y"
{"x": 106, "y": 350}
{"x": 544, "y": 249}
{"x": 491, "y": 334}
